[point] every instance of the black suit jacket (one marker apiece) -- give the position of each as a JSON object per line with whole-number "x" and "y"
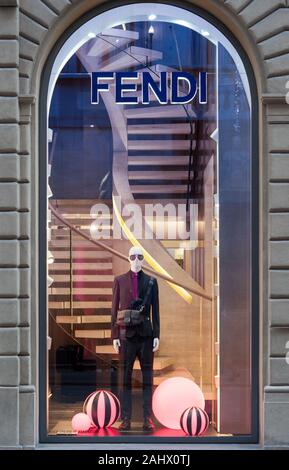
{"x": 122, "y": 295}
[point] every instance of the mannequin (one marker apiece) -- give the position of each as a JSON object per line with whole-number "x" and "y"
{"x": 135, "y": 266}
{"x": 136, "y": 341}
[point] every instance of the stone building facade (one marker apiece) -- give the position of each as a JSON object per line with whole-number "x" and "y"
{"x": 29, "y": 29}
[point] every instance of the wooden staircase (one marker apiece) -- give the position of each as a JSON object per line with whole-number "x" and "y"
{"x": 107, "y": 41}
{"x": 86, "y": 268}
{"x": 158, "y": 148}
{"x": 158, "y": 136}
{"x": 157, "y": 145}
{"x": 88, "y": 318}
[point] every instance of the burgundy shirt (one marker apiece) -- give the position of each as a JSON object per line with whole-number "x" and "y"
{"x": 134, "y": 278}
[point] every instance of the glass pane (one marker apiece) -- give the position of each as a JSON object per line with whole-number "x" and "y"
{"x": 235, "y": 251}
{"x": 154, "y": 165}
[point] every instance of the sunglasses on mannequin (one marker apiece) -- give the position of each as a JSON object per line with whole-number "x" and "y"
{"x": 133, "y": 257}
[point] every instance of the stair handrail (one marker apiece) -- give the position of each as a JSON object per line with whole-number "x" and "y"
{"x": 121, "y": 255}
{"x": 99, "y": 356}
{"x": 192, "y": 164}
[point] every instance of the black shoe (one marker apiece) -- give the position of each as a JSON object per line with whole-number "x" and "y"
{"x": 148, "y": 425}
{"x": 124, "y": 425}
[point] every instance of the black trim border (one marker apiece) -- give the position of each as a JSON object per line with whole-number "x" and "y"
{"x": 42, "y": 113}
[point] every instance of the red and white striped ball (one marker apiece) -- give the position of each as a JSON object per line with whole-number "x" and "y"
{"x": 194, "y": 421}
{"x": 102, "y": 407}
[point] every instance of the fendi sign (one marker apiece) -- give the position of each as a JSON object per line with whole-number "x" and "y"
{"x": 167, "y": 89}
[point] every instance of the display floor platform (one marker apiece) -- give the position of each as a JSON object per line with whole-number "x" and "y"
{"x": 61, "y": 413}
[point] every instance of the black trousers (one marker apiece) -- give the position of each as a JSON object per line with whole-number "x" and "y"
{"x": 130, "y": 349}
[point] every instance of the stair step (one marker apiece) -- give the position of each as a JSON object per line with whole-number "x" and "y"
{"x": 78, "y": 264}
{"x": 79, "y": 246}
{"x": 138, "y": 93}
{"x": 84, "y": 277}
{"x": 105, "y": 349}
{"x": 84, "y": 226}
{"x": 85, "y": 219}
{"x": 80, "y": 298}
{"x": 82, "y": 218}
{"x": 109, "y": 39}
{"x": 97, "y": 334}
{"x": 157, "y": 175}
{"x": 158, "y": 160}
{"x": 150, "y": 129}
{"x": 60, "y": 229}
{"x": 147, "y": 111}
{"x": 77, "y": 203}
{"x": 84, "y": 284}
{"x": 154, "y": 70}
{"x": 75, "y": 210}
{"x": 86, "y": 212}
{"x": 158, "y": 145}
{"x": 88, "y": 319}
{"x": 83, "y": 215}
{"x": 129, "y": 57}
{"x": 149, "y": 200}
{"x": 160, "y": 363}
{"x": 67, "y": 319}
{"x": 94, "y": 255}
{"x": 80, "y": 290}
{"x": 83, "y": 319}
{"x": 59, "y": 234}
{"x": 158, "y": 189}
{"x": 81, "y": 304}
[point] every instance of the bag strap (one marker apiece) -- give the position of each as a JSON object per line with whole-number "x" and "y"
{"x": 150, "y": 283}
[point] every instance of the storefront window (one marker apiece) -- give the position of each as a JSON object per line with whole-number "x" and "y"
{"x": 149, "y": 175}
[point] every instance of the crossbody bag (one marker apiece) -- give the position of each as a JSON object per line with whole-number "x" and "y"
{"x": 134, "y": 317}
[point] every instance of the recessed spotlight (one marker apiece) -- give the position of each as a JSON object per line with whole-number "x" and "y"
{"x": 152, "y": 17}
{"x": 91, "y": 35}
{"x": 205, "y": 33}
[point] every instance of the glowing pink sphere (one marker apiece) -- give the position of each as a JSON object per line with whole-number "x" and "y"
{"x": 172, "y": 397}
{"x": 81, "y": 422}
